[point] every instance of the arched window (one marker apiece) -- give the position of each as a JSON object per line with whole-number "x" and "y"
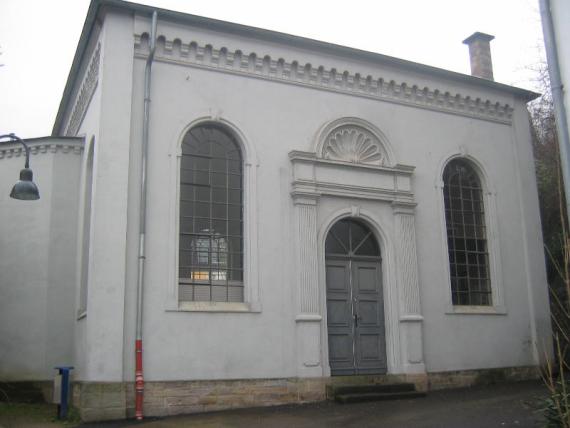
{"x": 466, "y": 235}
{"x": 211, "y": 217}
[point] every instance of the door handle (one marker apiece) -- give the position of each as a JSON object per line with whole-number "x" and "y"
{"x": 355, "y": 320}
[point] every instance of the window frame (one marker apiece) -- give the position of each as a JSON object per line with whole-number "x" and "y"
{"x": 497, "y": 306}
{"x": 251, "y": 291}
{"x": 207, "y": 147}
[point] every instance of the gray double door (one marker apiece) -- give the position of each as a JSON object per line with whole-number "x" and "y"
{"x": 355, "y": 306}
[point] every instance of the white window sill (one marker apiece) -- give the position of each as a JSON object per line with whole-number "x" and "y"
{"x": 476, "y": 310}
{"x": 231, "y": 307}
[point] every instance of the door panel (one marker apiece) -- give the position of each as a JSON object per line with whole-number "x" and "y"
{"x": 370, "y": 343}
{"x": 339, "y": 317}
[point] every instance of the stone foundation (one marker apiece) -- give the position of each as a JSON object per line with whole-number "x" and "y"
{"x": 100, "y": 401}
{"x": 108, "y": 401}
{"x": 466, "y": 378}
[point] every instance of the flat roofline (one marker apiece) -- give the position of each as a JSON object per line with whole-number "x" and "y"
{"x": 34, "y": 140}
{"x": 267, "y": 35}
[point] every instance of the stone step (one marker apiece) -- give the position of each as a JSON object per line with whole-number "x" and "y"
{"x": 371, "y": 388}
{"x": 377, "y": 396}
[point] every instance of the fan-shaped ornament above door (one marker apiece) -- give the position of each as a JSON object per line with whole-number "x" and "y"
{"x": 355, "y": 141}
{"x": 354, "y": 144}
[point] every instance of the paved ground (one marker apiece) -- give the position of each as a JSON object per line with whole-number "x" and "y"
{"x": 505, "y": 405}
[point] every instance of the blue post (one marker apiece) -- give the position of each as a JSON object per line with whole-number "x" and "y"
{"x": 62, "y": 407}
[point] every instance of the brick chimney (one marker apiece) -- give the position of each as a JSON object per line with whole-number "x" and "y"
{"x": 480, "y": 55}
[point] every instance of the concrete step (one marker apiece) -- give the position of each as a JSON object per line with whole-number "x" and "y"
{"x": 369, "y": 388}
{"x": 377, "y": 396}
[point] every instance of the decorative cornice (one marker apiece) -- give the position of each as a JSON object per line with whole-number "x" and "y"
{"x": 390, "y": 184}
{"x": 16, "y": 150}
{"x": 404, "y": 207}
{"x": 310, "y": 157}
{"x": 264, "y": 67}
{"x": 86, "y": 92}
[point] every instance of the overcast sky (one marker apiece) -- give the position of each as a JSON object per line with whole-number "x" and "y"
{"x": 38, "y": 39}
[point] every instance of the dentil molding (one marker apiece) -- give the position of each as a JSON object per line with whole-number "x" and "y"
{"x": 16, "y": 150}
{"x": 86, "y": 92}
{"x": 265, "y": 67}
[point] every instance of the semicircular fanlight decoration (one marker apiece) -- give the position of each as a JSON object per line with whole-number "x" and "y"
{"x": 354, "y": 144}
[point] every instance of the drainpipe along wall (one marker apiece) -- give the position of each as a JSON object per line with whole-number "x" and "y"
{"x": 139, "y": 378}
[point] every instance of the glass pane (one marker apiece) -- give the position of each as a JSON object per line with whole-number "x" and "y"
{"x": 235, "y": 275}
{"x": 219, "y": 165}
{"x": 185, "y": 292}
{"x": 234, "y": 166}
{"x": 219, "y": 179}
{"x": 234, "y": 212}
{"x": 220, "y": 149}
{"x": 369, "y": 247}
{"x": 357, "y": 232}
{"x": 234, "y": 181}
{"x": 202, "y": 293}
{"x": 333, "y": 246}
{"x": 186, "y": 208}
{"x": 234, "y": 196}
{"x": 235, "y": 294}
{"x": 185, "y": 242}
{"x": 201, "y": 193}
{"x": 219, "y": 195}
{"x": 340, "y": 231}
{"x": 201, "y": 209}
{"x": 219, "y": 211}
{"x": 219, "y": 293}
{"x": 234, "y": 228}
{"x": 235, "y": 244}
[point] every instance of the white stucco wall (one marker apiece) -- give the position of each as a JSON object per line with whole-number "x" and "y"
{"x": 271, "y": 118}
{"x": 37, "y": 260}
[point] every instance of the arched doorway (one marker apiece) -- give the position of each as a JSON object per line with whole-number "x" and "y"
{"x": 355, "y": 305}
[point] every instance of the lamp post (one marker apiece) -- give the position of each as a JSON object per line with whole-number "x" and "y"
{"x": 25, "y": 189}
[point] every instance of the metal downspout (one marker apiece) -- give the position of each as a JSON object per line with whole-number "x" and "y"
{"x": 139, "y": 378}
{"x": 557, "y": 96}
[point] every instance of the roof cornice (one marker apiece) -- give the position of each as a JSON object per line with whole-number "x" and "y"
{"x": 73, "y": 145}
{"x": 271, "y": 36}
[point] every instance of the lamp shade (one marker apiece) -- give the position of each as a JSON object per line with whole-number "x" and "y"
{"x": 25, "y": 188}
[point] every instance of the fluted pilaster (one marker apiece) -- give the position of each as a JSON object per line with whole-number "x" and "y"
{"x": 411, "y": 336}
{"x": 308, "y": 267}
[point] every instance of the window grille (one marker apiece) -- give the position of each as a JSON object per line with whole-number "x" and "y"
{"x": 466, "y": 235}
{"x": 211, "y": 217}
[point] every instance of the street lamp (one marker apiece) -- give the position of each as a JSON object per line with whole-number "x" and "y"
{"x": 25, "y": 188}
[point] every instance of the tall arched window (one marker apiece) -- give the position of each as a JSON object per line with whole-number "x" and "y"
{"x": 466, "y": 235}
{"x": 211, "y": 217}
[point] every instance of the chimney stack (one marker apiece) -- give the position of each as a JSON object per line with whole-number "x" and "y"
{"x": 480, "y": 55}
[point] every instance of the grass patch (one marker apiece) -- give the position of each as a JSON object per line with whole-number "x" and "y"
{"x": 34, "y": 415}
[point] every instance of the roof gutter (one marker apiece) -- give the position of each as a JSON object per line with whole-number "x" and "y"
{"x": 557, "y": 96}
